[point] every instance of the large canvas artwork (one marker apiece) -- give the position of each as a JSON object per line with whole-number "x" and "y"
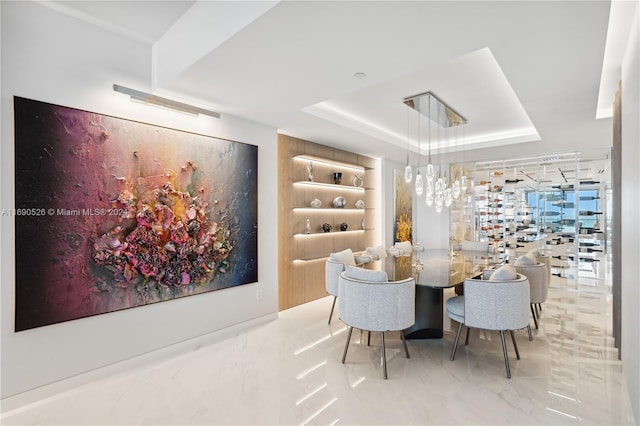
{"x": 403, "y": 226}
{"x": 113, "y": 214}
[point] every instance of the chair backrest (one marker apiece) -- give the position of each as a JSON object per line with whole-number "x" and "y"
{"x": 332, "y": 270}
{"x": 377, "y": 306}
{"x": 496, "y": 305}
{"x": 538, "y": 280}
{"x": 547, "y": 263}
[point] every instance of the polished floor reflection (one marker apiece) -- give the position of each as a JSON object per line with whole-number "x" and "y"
{"x": 289, "y": 372}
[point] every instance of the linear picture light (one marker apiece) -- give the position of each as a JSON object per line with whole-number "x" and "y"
{"x": 163, "y": 102}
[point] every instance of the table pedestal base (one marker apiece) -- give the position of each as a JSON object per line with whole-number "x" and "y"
{"x": 428, "y": 314}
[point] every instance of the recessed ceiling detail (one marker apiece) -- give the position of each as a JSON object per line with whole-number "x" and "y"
{"x": 473, "y": 82}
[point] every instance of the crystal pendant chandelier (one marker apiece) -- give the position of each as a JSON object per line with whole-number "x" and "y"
{"x": 408, "y": 172}
{"x": 440, "y": 189}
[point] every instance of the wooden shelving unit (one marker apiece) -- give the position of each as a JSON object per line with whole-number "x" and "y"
{"x": 302, "y": 255}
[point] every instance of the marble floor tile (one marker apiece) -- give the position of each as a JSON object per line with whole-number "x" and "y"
{"x": 289, "y": 371}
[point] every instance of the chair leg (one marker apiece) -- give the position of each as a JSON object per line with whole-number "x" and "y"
{"x": 529, "y": 331}
{"x": 513, "y": 339}
{"x": 344, "y": 355}
{"x": 506, "y": 357}
{"x": 466, "y": 339}
{"x": 384, "y": 358}
{"x": 332, "y": 307}
{"x": 535, "y": 320}
{"x": 455, "y": 343}
{"x": 404, "y": 342}
{"x": 540, "y": 306}
{"x": 368, "y": 338}
{"x": 537, "y": 313}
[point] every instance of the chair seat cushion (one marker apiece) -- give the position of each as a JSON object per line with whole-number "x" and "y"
{"x": 362, "y": 274}
{"x": 534, "y": 252}
{"x": 526, "y": 260}
{"x": 455, "y": 308}
{"x": 345, "y": 256}
{"x": 378, "y": 251}
{"x": 504, "y": 273}
{"x": 405, "y": 247}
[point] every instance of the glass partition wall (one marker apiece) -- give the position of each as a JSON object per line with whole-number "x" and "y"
{"x": 555, "y": 203}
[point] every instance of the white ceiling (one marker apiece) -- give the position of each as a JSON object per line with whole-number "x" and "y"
{"x": 526, "y": 74}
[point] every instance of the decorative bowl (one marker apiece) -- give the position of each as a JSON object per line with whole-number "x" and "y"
{"x": 339, "y": 202}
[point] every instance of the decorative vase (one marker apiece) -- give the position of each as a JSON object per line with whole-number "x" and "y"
{"x": 337, "y": 178}
{"x": 343, "y": 226}
{"x": 358, "y": 181}
{"x": 310, "y": 171}
{"x": 339, "y": 202}
{"x": 326, "y": 227}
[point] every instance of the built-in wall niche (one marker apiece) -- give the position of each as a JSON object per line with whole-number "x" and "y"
{"x": 328, "y": 201}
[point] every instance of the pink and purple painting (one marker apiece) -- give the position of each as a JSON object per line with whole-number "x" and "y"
{"x": 112, "y": 214}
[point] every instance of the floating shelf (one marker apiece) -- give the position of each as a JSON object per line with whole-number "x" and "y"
{"x": 329, "y": 162}
{"x": 327, "y": 209}
{"x": 319, "y": 257}
{"x": 329, "y": 185}
{"x": 328, "y": 233}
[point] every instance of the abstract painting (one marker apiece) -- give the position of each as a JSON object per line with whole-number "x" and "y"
{"x": 403, "y": 208}
{"x": 113, "y": 214}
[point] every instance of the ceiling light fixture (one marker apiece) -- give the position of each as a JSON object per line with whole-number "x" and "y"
{"x": 429, "y": 105}
{"x": 359, "y": 75}
{"x": 148, "y": 98}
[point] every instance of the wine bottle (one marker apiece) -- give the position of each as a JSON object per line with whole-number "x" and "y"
{"x": 589, "y": 250}
{"x": 563, "y": 186}
{"x": 588, "y": 213}
{"x": 564, "y": 204}
{"x": 588, "y": 259}
{"x": 589, "y": 198}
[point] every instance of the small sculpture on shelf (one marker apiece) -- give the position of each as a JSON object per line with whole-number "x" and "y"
{"x": 307, "y": 227}
{"x": 339, "y": 202}
{"x": 326, "y": 227}
{"x": 359, "y": 204}
{"x": 343, "y": 226}
{"x": 315, "y": 203}
{"x": 310, "y": 171}
{"x": 358, "y": 181}
{"x": 337, "y": 178}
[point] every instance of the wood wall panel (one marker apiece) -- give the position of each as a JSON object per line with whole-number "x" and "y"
{"x": 302, "y": 281}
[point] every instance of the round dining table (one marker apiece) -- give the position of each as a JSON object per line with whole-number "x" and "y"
{"x": 435, "y": 270}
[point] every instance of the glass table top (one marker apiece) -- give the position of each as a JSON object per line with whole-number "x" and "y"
{"x": 438, "y": 268}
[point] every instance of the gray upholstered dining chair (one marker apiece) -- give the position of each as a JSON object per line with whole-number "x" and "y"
{"x": 371, "y": 303}
{"x": 337, "y": 263}
{"x": 538, "y": 276}
{"x": 499, "y": 303}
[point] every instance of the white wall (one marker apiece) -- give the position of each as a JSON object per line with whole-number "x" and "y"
{"x": 54, "y": 58}
{"x": 630, "y": 204}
